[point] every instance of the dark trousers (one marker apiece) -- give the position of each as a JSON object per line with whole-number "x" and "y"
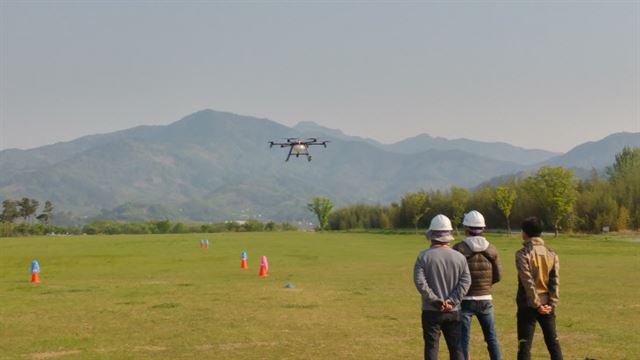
{"x": 527, "y": 318}
{"x": 449, "y": 323}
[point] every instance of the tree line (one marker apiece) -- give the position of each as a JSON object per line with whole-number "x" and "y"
{"x": 26, "y": 209}
{"x": 607, "y": 202}
{"x": 169, "y": 227}
{"x": 150, "y": 227}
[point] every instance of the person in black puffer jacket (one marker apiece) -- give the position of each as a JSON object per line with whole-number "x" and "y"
{"x": 484, "y": 267}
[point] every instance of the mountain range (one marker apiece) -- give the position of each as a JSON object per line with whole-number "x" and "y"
{"x": 425, "y": 142}
{"x": 213, "y": 166}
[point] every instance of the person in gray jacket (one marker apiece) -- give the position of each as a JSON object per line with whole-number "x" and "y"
{"x": 442, "y": 277}
{"x": 484, "y": 267}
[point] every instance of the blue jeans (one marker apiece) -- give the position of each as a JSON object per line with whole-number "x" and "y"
{"x": 483, "y": 310}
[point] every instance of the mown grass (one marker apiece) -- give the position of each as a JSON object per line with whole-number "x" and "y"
{"x": 162, "y": 297}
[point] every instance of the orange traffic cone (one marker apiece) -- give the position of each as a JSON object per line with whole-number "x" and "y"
{"x": 263, "y": 271}
{"x": 243, "y": 264}
{"x": 35, "y": 279}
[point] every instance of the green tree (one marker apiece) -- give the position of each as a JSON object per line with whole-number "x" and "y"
{"x": 483, "y": 199}
{"x": 505, "y": 197}
{"x": 9, "y": 211}
{"x": 253, "y": 225}
{"x": 179, "y": 228}
{"x": 623, "y": 218}
{"x": 9, "y": 214}
{"x": 23, "y": 208}
{"x": 163, "y": 226}
{"x": 321, "y": 206}
{"x": 270, "y": 226}
{"x": 27, "y": 207}
{"x": 47, "y": 213}
{"x": 414, "y": 206}
{"x": 393, "y": 214}
{"x": 624, "y": 178}
{"x": 555, "y": 189}
{"x": 459, "y": 200}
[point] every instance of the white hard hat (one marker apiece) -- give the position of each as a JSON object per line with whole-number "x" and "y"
{"x": 440, "y": 223}
{"x": 473, "y": 219}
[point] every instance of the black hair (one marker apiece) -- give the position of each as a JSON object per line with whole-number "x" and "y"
{"x": 532, "y": 226}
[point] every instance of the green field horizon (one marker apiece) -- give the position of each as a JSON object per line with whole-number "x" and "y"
{"x": 162, "y": 297}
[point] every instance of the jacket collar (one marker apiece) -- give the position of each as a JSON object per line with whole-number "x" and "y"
{"x": 476, "y": 243}
{"x": 533, "y": 241}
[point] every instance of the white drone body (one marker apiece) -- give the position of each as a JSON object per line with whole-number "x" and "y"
{"x": 299, "y": 146}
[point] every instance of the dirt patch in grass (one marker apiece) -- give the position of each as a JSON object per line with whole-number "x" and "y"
{"x": 149, "y": 348}
{"x": 154, "y": 282}
{"x": 206, "y": 347}
{"x": 52, "y": 354}
{"x": 234, "y": 346}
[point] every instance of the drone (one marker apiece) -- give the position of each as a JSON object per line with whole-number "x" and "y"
{"x": 298, "y": 146}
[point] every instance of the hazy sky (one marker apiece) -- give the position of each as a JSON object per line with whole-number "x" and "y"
{"x": 545, "y": 75}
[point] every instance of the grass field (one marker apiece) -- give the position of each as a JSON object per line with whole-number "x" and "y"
{"x": 162, "y": 297}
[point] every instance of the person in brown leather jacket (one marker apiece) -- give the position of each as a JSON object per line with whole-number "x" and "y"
{"x": 538, "y": 281}
{"x": 484, "y": 267}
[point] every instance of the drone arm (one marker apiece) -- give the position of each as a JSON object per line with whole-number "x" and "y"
{"x": 289, "y": 154}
